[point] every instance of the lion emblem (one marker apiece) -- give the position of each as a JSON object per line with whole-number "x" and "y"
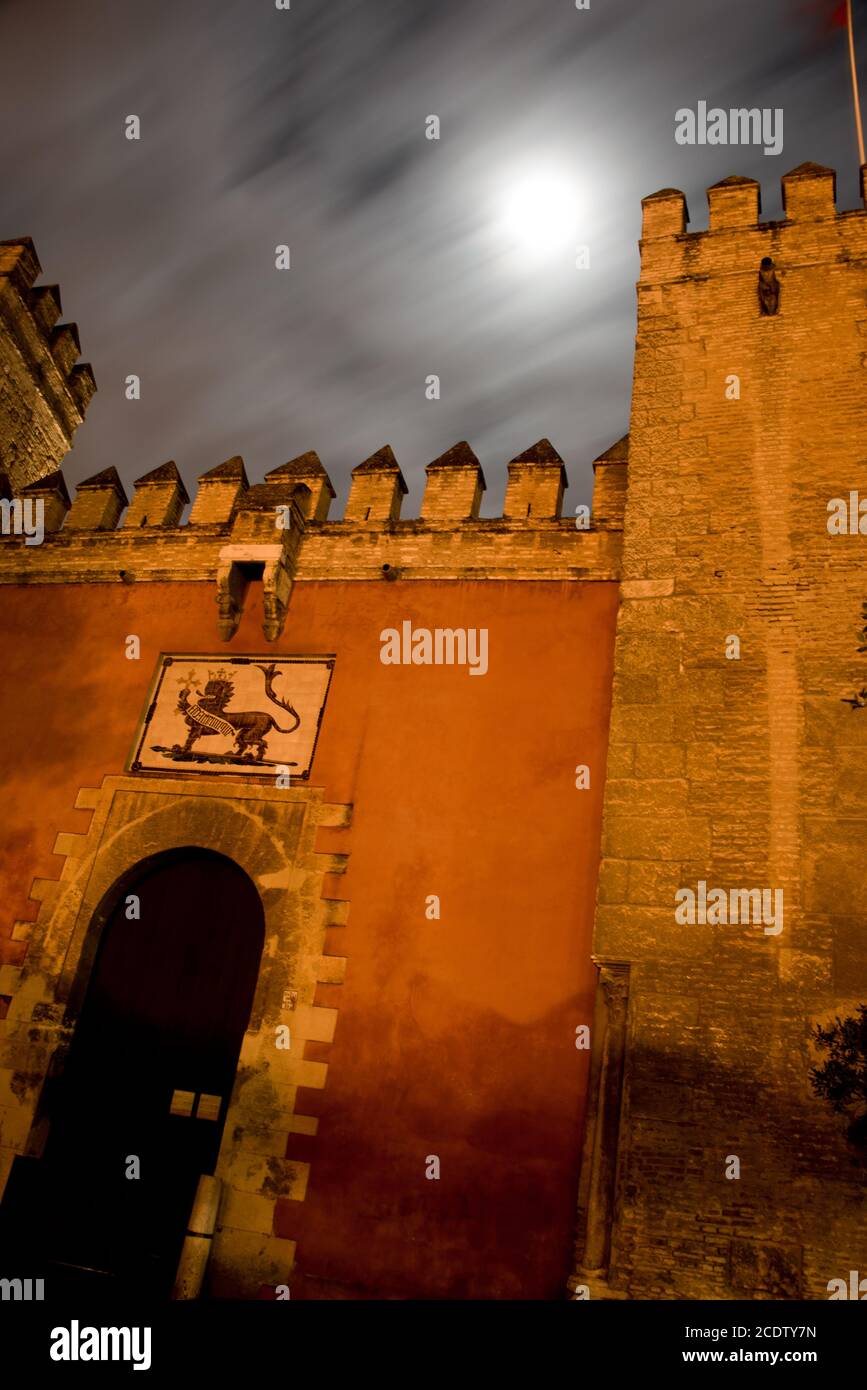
{"x": 206, "y": 714}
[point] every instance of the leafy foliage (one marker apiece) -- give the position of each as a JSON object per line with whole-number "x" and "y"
{"x": 842, "y": 1079}
{"x": 859, "y": 701}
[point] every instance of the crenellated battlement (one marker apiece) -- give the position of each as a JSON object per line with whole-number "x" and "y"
{"x": 731, "y": 748}
{"x": 279, "y": 530}
{"x": 44, "y": 389}
{"x": 736, "y": 238}
{"x": 704, "y": 699}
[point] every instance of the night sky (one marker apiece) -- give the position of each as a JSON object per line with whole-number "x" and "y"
{"x": 307, "y": 127}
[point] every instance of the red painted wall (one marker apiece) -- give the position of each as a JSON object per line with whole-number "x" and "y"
{"x": 454, "y": 1038}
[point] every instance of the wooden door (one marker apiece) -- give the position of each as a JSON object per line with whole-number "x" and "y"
{"x": 151, "y": 1067}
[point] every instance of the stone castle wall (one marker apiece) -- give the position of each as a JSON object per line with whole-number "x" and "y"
{"x": 743, "y": 773}
{"x": 43, "y": 393}
{"x": 736, "y": 763}
{"x": 411, "y": 1036}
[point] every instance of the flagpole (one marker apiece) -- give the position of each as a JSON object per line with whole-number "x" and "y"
{"x": 855, "y": 82}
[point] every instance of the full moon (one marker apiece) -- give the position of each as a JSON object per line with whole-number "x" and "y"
{"x": 540, "y": 214}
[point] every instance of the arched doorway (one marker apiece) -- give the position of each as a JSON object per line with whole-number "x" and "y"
{"x": 142, "y": 1101}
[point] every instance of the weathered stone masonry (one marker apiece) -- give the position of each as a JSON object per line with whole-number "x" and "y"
{"x": 739, "y": 772}
{"x": 304, "y": 1130}
{"x": 743, "y": 773}
{"x": 43, "y": 393}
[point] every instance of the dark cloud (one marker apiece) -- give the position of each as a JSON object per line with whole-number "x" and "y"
{"x": 377, "y": 176}
{"x": 307, "y": 127}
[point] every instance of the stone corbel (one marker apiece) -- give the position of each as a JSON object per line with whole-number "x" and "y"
{"x": 233, "y": 576}
{"x": 230, "y": 598}
{"x": 277, "y": 586}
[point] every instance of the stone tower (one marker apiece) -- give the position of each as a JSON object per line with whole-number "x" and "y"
{"x": 734, "y": 761}
{"x": 735, "y": 774}
{"x": 43, "y": 393}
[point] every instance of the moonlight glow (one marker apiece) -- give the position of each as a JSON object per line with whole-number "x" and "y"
{"x": 540, "y": 215}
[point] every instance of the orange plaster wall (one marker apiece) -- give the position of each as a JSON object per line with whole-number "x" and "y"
{"x": 454, "y": 1038}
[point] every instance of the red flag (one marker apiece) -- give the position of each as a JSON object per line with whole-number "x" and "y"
{"x": 831, "y": 14}
{"x": 835, "y": 15}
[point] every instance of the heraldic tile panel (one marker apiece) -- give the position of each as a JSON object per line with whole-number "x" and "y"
{"x": 218, "y": 715}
